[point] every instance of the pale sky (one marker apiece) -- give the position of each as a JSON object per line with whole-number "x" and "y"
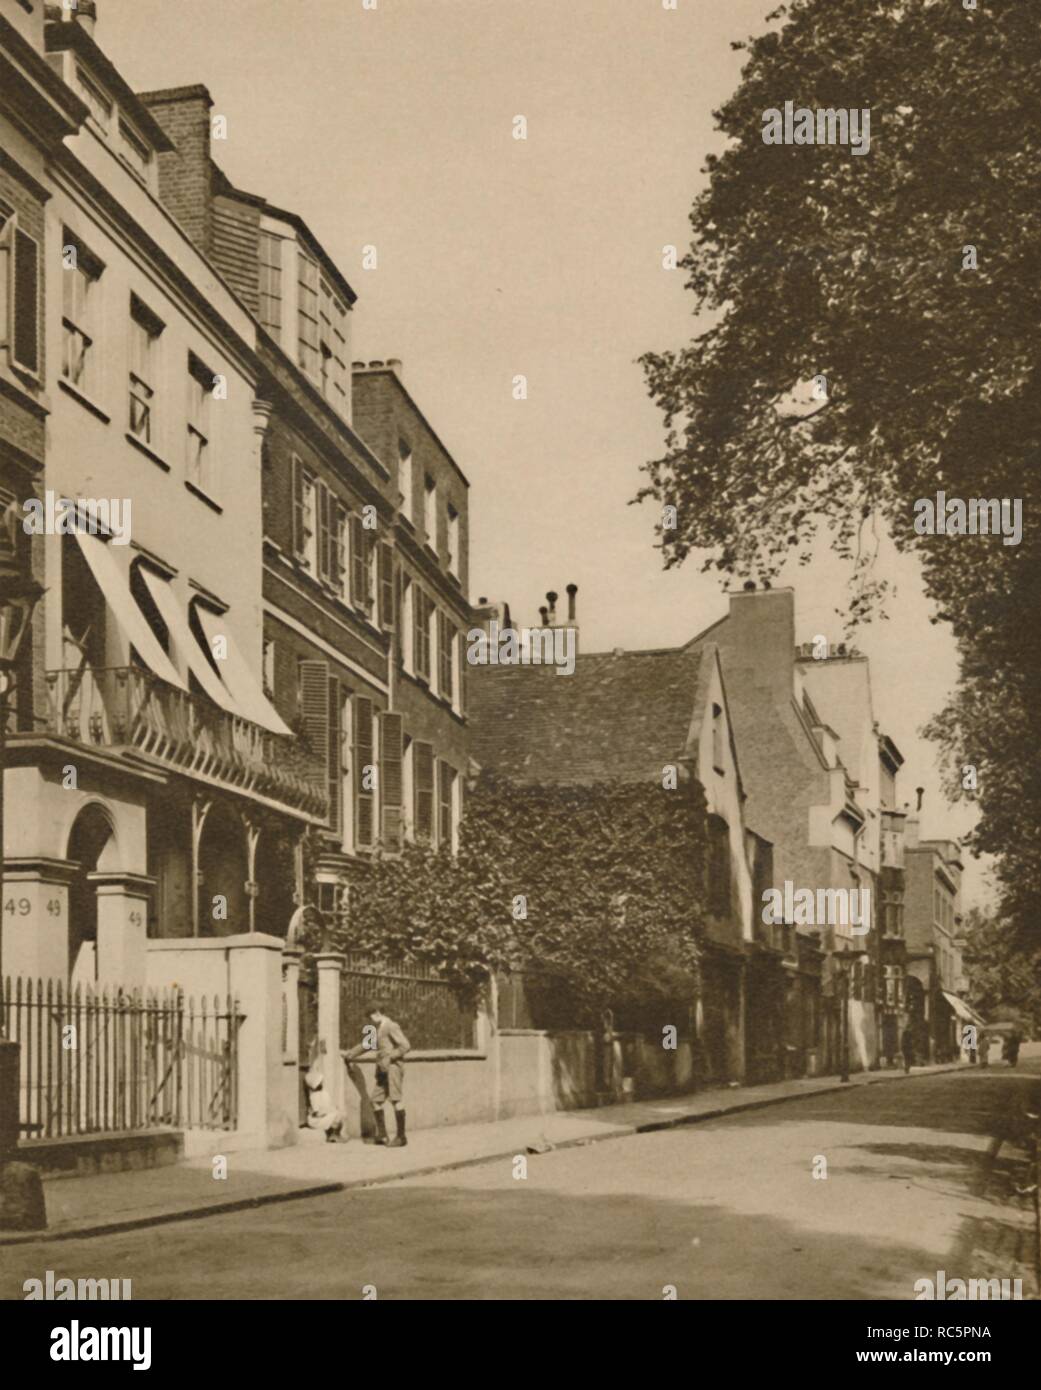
{"x": 498, "y": 257}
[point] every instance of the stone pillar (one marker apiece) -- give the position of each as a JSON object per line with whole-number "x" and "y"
{"x": 330, "y": 969}
{"x": 34, "y": 913}
{"x": 123, "y": 900}
{"x": 291, "y": 1029}
{"x": 255, "y": 979}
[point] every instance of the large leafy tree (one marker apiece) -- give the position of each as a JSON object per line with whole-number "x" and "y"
{"x": 810, "y": 261}
{"x": 1004, "y": 968}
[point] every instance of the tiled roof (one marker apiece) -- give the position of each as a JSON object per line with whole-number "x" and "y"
{"x": 619, "y": 715}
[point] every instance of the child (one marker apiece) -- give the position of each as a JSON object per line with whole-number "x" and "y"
{"x": 391, "y": 1045}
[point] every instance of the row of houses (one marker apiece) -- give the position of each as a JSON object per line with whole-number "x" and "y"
{"x": 263, "y": 642}
{"x": 800, "y": 784}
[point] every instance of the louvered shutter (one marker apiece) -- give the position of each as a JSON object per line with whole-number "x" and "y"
{"x": 364, "y": 827}
{"x": 314, "y": 712}
{"x": 444, "y": 651}
{"x": 298, "y": 508}
{"x": 335, "y": 757}
{"x": 26, "y": 328}
{"x": 358, "y": 562}
{"x": 444, "y": 817}
{"x": 391, "y": 739}
{"x": 325, "y": 501}
{"x": 386, "y": 585}
{"x": 423, "y": 769}
{"x": 417, "y": 630}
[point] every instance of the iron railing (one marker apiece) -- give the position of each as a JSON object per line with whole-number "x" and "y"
{"x": 434, "y": 1013}
{"x": 100, "y": 1061}
{"x": 120, "y": 706}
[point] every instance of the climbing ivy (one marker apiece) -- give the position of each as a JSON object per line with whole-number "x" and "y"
{"x": 599, "y": 887}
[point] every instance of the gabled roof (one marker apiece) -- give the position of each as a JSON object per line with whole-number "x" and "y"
{"x": 619, "y": 715}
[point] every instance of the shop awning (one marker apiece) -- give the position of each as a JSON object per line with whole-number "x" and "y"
{"x": 112, "y": 573}
{"x": 186, "y": 643}
{"x": 240, "y": 680}
{"x": 961, "y": 1008}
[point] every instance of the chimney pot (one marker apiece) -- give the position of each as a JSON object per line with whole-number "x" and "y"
{"x": 482, "y": 600}
{"x": 919, "y": 793}
{"x": 544, "y": 612}
{"x": 749, "y": 586}
{"x": 376, "y": 362}
{"x": 396, "y": 366}
{"x": 358, "y": 366}
{"x": 572, "y": 590}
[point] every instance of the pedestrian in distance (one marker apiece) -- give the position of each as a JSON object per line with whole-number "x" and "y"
{"x": 1012, "y": 1048}
{"x": 385, "y": 1037}
{"x": 907, "y": 1048}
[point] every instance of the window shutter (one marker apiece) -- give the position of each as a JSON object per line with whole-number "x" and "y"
{"x": 391, "y": 739}
{"x": 364, "y": 827}
{"x": 324, "y": 531}
{"x": 298, "y": 508}
{"x": 314, "y": 709}
{"x": 26, "y": 329}
{"x": 335, "y": 758}
{"x": 444, "y": 651}
{"x": 358, "y": 562}
{"x": 386, "y": 585}
{"x": 423, "y": 768}
{"x": 444, "y": 817}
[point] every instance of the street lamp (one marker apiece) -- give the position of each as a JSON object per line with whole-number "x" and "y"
{"x": 846, "y": 960}
{"x": 21, "y": 1193}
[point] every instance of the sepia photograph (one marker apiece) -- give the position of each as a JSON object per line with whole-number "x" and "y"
{"x": 520, "y": 651}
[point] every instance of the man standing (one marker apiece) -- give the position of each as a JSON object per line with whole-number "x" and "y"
{"x": 907, "y": 1047}
{"x": 390, "y": 1045}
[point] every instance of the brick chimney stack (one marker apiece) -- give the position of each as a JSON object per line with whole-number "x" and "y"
{"x": 761, "y": 636}
{"x": 186, "y": 173}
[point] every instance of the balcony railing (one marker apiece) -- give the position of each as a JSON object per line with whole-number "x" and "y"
{"x": 125, "y": 707}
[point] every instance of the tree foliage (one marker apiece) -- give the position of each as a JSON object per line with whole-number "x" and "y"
{"x": 1004, "y": 967}
{"x": 811, "y": 261}
{"x": 599, "y": 886}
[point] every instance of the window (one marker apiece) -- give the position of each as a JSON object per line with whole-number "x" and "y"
{"x": 718, "y": 866}
{"x": 338, "y": 562}
{"x": 200, "y": 390}
{"x": 423, "y": 782}
{"x": 422, "y": 608}
{"x": 270, "y": 308}
{"x": 135, "y": 151}
{"x": 893, "y": 984}
{"x": 405, "y": 479}
{"x": 445, "y": 800}
{"x": 269, "y": 668}
{"x": 445, "y": 657}
{"x": 307, "y": 315}
{"x": 717, "y": 738}
{"x": 407, "y": 633}
{"x": 145, "y": 329}
{"x": 332, "y": 340}
{"x": 453, "y": 541}
{"x": 893, "y": 910}
{"x": 391, "y": 780}
{"x": 81, "y": 273}
{"x": 305, "y": 546}
{"x": 364, "y": 798}
{"x": 361, "y": 566}
{"x": 19, "y": 293}
{"x": 385, "y": 586}
{"x": 430, "y": 512}
{"x": 95, "y": 97}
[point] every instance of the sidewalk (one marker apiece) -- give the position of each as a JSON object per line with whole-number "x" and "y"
{"x": 111, "y": 1202}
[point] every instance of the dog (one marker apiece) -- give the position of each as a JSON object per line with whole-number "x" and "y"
{"x": 321, "y": 1112}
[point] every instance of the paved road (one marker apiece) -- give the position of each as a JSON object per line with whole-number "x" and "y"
{"x": 920, "y": 1177}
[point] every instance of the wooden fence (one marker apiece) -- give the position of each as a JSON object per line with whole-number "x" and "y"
{"x": 101, "y": 1061}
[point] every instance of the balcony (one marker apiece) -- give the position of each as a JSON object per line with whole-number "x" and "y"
{"x": 125, "y": 707}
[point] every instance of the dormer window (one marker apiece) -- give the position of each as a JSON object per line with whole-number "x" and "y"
{"x": 134, "y": 149}
{"x": 98, "y": 101}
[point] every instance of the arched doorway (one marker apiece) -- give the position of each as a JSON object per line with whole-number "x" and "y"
{"x": 223, "y": 873}
{"x": 92, "y": 846}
